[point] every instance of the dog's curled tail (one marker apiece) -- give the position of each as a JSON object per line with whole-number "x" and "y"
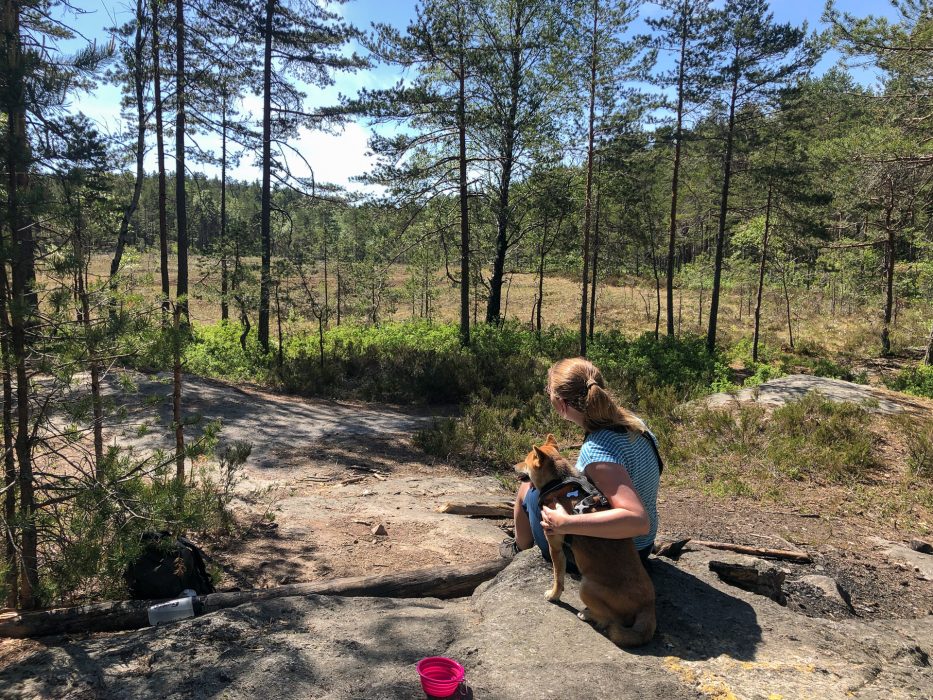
{"x": 641, "y": 631}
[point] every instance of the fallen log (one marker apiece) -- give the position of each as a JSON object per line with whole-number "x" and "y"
{"x": 786, "y": 554}
{"x": 478, "y": 510}
{"x": 671, "y": 550}
{"x": 759, "y": 578}
{"x": 435, "y": 582}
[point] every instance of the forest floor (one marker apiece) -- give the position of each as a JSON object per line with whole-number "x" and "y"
{"x": 306, "y": 513}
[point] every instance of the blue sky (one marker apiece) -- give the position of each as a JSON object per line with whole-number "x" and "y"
{"x": 338, "y": 157}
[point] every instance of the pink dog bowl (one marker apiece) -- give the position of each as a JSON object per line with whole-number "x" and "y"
{"x": 440, "y": 676}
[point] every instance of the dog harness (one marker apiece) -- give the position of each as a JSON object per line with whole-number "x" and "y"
{"x": 584, "y": 496}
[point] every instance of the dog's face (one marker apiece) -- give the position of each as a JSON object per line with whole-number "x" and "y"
{"x": 543, "y": 464}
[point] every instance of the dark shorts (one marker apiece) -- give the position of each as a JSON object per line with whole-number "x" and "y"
{"x": 532, "y": 506}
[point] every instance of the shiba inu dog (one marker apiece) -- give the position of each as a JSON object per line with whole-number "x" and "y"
{"x": 614, "y": 587}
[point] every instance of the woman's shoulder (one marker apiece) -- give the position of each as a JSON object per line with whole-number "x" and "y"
{"x": 603, "y": 446}
{"x": 610, "y": 436}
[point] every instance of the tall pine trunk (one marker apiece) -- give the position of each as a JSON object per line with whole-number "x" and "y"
{"x": 723, "y": 213}
{"x": 464, "y": 202}
{"x": 761, "y": 275}
{"x": 9, "y": 457}
{"x": 139, "y": 56}
{"x": 181, "y": 206}
{"x": 82, "y": 258}
{"x": 21, "y": 258}
{"x": 928, "y": 355}
{"x": 541, "y": 261}
{"x": 224, "y": 274}
{"x": 790, "y": 325}
{"x": 889, "y": 251}
{"x": 595, "y": 261}
{"x": 505, "y": 180}
{"x": 160, "y": 156}
{"x": 266, "y": 201}
{"x": 587, "y": 208}
{"x": 177, "y": 417}
{"x": 326, "y": 310}
{"x": 675, "y": 178}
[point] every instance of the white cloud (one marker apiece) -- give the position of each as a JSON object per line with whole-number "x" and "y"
{"x": 335, "y": 158}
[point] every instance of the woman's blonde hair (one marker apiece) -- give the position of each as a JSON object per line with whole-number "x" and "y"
{"x": 578, "y": 382}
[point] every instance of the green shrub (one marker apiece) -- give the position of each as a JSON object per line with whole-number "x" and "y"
{"x": 91, "y": 538}
{"x": 823, "y": 367}
{"x": 499, "y": 378}
{"x": 762, "y": 374}
{"x": 681, "y": 363}
{"x": 215, "y": 351}
{"x": 914, "y": 380}
{"x": 810, "y": 348}
{"x": 422, "y": 362}
{"x": 741, "y": 351}
{"x": 821, "y": 439}
{"x": 493, "y": 436}
{"x": 444, "y": 439}
{"x": 722, "y": 379}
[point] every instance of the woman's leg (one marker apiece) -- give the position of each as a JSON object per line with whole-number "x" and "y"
{"x": 530, "y": 508}
{"x": 523, "y": 536}
{"x": 526, "y": 513}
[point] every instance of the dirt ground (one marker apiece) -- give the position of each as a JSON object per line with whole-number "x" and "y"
{"x": 322, "y": 475}
{"x": 324, "y": 512}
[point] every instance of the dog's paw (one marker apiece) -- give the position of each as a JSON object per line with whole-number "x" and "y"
{"x": 553, "y": 594}
{"x": 585, "y": 615}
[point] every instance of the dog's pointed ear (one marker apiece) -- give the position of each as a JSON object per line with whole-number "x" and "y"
{"x": 539, "y": 453}
{"x": 550, "y": 440}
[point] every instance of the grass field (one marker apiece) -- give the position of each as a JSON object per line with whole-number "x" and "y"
{"x": 849, "y": 330}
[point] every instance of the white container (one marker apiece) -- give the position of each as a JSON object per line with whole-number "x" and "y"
{"x": 177, "y": 609}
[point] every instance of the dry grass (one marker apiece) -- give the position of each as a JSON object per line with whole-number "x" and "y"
{"x": 835, "y": 459}
{"x": 629, "y": 306}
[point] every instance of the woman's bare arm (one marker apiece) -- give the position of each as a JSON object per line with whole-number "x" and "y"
{"x": 627, "y": 516}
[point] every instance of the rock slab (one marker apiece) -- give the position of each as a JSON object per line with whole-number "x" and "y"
{"x": 713, "y": 641}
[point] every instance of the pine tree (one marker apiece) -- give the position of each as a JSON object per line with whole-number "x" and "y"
{"x": 37, "y": 82}
{"x": 223, "y": 72}
{"x": 517, "y": 103}
{"x": 181, "y": 202}
{"x": 602, "y": 65}
{"x": 159, "y": 108}
{"x": 758, "y": 58}
{"x": 135, "y": 63}
{"x": 684, "y": 32}
{"x": 900, "y": 161}
{"x": 300, "y": 39}
{"x": 430, "y": 158}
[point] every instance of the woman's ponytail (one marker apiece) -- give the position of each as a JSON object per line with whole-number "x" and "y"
{"x": 581, "y": 385}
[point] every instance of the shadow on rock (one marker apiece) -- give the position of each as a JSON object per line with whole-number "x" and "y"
{"x": 697, "y": 621}
{"x": 315, "y": 646}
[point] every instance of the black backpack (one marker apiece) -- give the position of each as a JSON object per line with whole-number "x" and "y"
{"x": 166, "y": 567}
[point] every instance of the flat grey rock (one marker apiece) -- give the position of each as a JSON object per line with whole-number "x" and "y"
{"x": 793, "y": 387}
{"x": 918, "y": 562}
{"x": 713, "y": 640}
{"x": 310, "y": 647}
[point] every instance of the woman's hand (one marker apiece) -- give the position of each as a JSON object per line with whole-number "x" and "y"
{"x": 554, "y": 520}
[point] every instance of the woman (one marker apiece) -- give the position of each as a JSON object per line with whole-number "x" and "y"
{"x": 619, "y": 455}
